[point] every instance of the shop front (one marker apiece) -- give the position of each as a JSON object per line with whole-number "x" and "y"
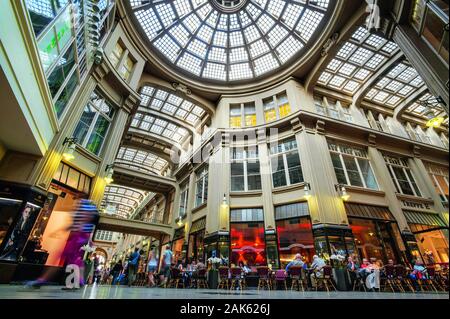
{"x": 40, "y": 232}
{"x": 196, "y": 240}
{"x": 247, "y": 238}
{"x": 19, "y": 208}
{"x": 178, "y": 246}
{"x": 294, "y": 231}
{"x": 431, "y": 234}
{"x": 376, "y": 233}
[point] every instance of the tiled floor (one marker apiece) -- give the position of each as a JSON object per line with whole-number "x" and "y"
{"x": 108, "y": 292}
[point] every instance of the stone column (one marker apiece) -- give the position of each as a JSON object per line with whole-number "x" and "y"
{"x": 325, "y": 205}
{"x": 426, "y": 184}
{"x": 218, "y": 186}
{"x": 266, "y": 181}
{"x": 386, "y": 184}
{"x": 43, "y": 174}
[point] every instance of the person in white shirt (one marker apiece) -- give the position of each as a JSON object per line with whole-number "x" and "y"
{"x": 317, "y": 271}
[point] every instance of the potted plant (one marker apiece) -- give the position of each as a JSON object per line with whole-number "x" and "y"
{"x": 339, "y": 272}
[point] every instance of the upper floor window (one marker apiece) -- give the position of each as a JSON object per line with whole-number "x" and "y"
{"x": 245, "y": 170}
{"x": 126, "y": 68}
{"x": 329, "y": 107}
{"x": 183, "y": 199}
{"x": 242, "y": 115}
{"x": 201, "y": 186}
{"x": 430, "y": 18}
{"x": 276, "y": 107}
{"x": 122, "y": 61}
{"x": 116, "y": 55}
{"x": 285, "y": 163}
{"x": 42, "y": 12}
{"x": 94, "y": 124}
{"x": 439, "y": 177}
{"x": 352, "y": 166}
{"x": 402, "y": 176}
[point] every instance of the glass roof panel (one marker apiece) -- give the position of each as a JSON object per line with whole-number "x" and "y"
{"x": 161, "y": 100}
{"x": 122, "y": 201}
{"x": 230, "y": 41}
{"x": 140, "y": 160}
{"x": 359, "y": 57}
{"x": 401, "y": 82}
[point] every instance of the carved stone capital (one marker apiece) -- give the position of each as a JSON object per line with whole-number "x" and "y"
{"x": 320, "y": 127}
{"x": 329, "y": 44}
{"x": 130, "y": 103}
{"x": 101, "y": 70}
{"x": 182, "y": 88}
{"x": 372, "y": 139}
{"x": 417, "y": 151}
{"x": 296, "y": 125}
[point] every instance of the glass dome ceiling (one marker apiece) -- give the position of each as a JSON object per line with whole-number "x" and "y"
{"x": 230, "y": 40}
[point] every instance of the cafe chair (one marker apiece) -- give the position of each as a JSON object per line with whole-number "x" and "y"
{"x": 223, "y": 278}
{"x": 297, "y": 278}
{"x": 430, "y": 281}
{"x": 389, "y": 280}
{"x": 280, "y": 277}
{"x": 263, "y": 277}
{"x": 236, "y": 278}
{"x": 176, "y": 278}
{"x": 358, "y": 281}
{"x": 201, "y": 281}
{"x": 401, "y": 278}
{"x": 327, "y": 279}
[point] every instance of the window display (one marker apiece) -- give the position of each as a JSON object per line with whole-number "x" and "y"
{"x": 247, "y": 244}
{"x": 8, "y": 210}
{"x": 15, "y": 241}
{"x": 295, "y": 237}
{"x": 374, "y": 239}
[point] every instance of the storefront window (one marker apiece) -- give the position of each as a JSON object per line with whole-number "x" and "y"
{"x": 433, "y": 244}
{"x": 295, "y": 237}
{"x": 8, "y": 211}
{"x": 177, "y": 249}
{"x": 374, "y": 239}
{"x": 247, "y": 244}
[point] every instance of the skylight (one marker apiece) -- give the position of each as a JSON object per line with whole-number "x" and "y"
{"x": 360, "y": 57}
{"x": 140, "y": 160}
{"x": 230, "y": 40}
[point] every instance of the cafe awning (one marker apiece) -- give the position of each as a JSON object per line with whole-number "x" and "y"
{"x": 198, "y": 225}
{"x": 368, "y": 211}
{"x": 422, "y": 218}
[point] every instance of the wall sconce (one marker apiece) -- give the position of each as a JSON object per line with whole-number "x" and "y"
{"x": 224, "y": 201}
{"x": 109, "y": 175}
{"x": 430, "y": 104}
{"x": 180, "y": 221}
{"x": 71, "y": 146}
{"x": 307, "y": 195}
{"x": 342, "y": 192}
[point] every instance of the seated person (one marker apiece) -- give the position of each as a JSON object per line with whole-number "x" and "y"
{"x": 317, "y": 269}
{"x": 362, "y": 271}
{"x": 417, "y": 273}
{"x": 353, "y": 268}
{"x": 245, "y": 268}
{"x": 373, "y": 275}
{"x": 296, "y": 262}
